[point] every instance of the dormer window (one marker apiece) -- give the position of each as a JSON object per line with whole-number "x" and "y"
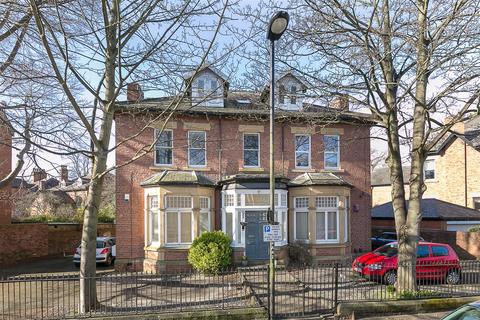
{"x": 201, "y": 85}
{"x": 293, "y": 96}
{"x": 281, "y": 98}
{"x": 213, "y": 84}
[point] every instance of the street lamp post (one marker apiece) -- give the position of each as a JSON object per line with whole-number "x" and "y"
{"x": 277, "y": 26}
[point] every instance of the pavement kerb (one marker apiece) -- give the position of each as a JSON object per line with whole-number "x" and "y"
{"x": 233, "y": 314}
{"x": 365, "y": 308}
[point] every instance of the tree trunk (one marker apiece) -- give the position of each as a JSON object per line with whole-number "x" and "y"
{"x": 408, "y": 237}
{"x": 88, "y": 294}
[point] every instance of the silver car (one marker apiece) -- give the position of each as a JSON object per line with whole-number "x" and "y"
{"x": 106, "y": 251}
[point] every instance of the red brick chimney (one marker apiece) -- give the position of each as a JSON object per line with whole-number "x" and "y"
{"x": 340, "y": 102}
{"x": 134, "y": 92}
{"x": 39, "y": 174}
{"x": 63, "y": 173}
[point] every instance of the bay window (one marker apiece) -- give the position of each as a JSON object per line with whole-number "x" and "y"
{"x": 179, "y": 219}
{"x": 326, "y": 224}
{"x": 154, "y": 232}
{"x": 204, "y": 214}
{"x": 301, "y": 218}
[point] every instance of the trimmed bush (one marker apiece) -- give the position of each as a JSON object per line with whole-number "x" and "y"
{"x": 211, "y": 252}
{"x": 474, "y": 229}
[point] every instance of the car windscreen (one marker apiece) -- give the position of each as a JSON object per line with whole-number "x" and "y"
{"x": 464, "y": 313}
{"x": 388, "y": 250}
{"x": 100, "y": 244}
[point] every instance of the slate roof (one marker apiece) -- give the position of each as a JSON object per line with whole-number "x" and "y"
{"x": 432, "y": 209}
{"x": 471, "y": 136}
{"x": 21, "y": 183}
{"x": 246, "y": 105}
{"x": 169, "y": 177}
{"x": 318, "y": 179}
{"x": 381, "y": 176}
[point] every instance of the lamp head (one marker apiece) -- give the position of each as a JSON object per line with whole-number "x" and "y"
{"x": 277, "y": 26}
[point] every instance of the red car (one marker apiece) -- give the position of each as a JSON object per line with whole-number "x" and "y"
{"x": 435, "y": 261}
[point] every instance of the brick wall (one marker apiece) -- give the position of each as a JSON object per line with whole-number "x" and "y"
{"x": 22, "y": 242}
{"x": 449, "y": 183}
{"x": 225, "y": 157}
{"x": 5, "y": 168}
{"x": 25, "y": 242}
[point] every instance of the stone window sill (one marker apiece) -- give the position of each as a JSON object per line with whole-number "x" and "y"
{"x": 300, "y": 170}
{"x": 159, "y": 167}
{"x": 333, "y": 170}
{"x": 196, "y": 168}
{"x": 253, "y": 169}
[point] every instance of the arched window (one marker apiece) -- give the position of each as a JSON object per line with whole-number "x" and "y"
{"x": 281, "y": 98}
{"x": 293, "y": 95}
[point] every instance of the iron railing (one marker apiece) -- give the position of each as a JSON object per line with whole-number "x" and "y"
{"x": 300, "y": 291}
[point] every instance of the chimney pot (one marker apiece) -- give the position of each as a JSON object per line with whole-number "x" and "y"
{"x": 39, "y": 174}
{"x": 134, "y": 92}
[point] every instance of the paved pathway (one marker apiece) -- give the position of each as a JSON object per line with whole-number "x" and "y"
{"x": 420, "y": 316}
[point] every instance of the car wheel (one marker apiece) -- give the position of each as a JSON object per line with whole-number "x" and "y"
{"x": 390, "y": 277}
{"x": 108, "y": 262}
{"x": 453, "y": 277}
{"x": 77, "y": 264}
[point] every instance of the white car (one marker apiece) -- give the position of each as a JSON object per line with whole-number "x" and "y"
{"x": 106, "y": 251}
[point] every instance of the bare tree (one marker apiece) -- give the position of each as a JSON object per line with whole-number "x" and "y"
{"x": 99, "y": 46}
{"x": 409, "y": 63}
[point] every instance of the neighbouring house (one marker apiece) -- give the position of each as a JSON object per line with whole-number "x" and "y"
{"x": 5, "y": 168}
{"x": 437, "y": 215}
{"x": 451, "y": 170}
{"x": 209, "y": 171}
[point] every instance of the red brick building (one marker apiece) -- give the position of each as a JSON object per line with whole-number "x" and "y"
{"x": 5, "y": 168}
{"x": 208, "y": 170}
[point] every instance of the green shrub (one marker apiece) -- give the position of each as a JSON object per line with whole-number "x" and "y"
{"x": 211, "y": 252}
{"x": 46, "y": 219}
{"x": 474, "y": 229}
{"x": 299, "y": 255}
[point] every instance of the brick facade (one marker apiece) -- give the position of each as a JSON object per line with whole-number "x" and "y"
{"x": 457, "y": 177}
{"x": 5, "y": 168}
{"x": 224, "y": 156}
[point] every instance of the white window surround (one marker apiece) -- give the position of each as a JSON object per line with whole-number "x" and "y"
{"x": 178, "y": 212}
{"x": 152, "y": 212}
{"x": 429, "y": 165}
{"x": 205, "y": 210}
{"x": 326, "y": 211}
{"x": 155, "y": 162}
{"x": 238, "y": 209}
{"x": 332, "y": 152}
{"x": 257, "y": 150}
{"x": 204, "y": 149}
{"x": 303, "y": 209}
{"x": 309, "y": 152}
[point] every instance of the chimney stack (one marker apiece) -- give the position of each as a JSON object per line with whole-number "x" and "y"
{"x": 458, "y": 127}
{"x": 340, "y": 102}
{"x": 63, "y": 173}
{"x": 134, "y": 92}
{"x": 39, "y": 174}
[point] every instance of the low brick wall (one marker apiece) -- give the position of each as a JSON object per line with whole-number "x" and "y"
{"x": 30, "y": 241}
{"x": 21, "y": 242}
{"x": 465, "y": 244}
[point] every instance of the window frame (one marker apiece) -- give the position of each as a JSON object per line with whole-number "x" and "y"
{"x": 161, "y": 147}
{"x": 293, "y": 94}
{"x": 150, "y": 209}
{"x": 258, "y": 150}
{"x": 190, "y": 148}
{"x": 434, "y": 170}
{"x": 302, "y": 210}
{"x": 281, "y": 94}
{"x": 326, "y": 211}
{"x": 325, "y": 152}
{"x": 303, "y": 152}
{"x": 178, "y": 212}
{"x": 207, "y": 211}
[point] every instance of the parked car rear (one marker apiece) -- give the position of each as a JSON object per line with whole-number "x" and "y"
{"x": 435, "y": 261}
{"x": 106, "y": 251}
